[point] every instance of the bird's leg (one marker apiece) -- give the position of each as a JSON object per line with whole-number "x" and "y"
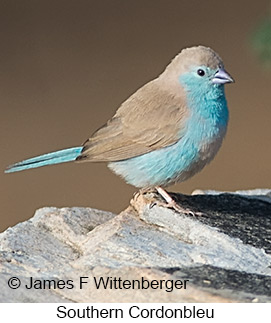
{"x": 170, "y": 203}
{"x": 143, "y": 191}
{"x": 164, "y": 194}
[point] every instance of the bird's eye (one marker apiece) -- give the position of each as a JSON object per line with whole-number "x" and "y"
{"x": 201, "y": 72}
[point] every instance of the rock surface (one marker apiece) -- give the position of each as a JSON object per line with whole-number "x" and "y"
{"x": 223, "y": 251}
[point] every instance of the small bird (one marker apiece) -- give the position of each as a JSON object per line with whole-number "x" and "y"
{"x": 165, "y": 132}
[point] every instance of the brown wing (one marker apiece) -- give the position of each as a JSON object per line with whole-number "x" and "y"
{"x": 150, "y": 119}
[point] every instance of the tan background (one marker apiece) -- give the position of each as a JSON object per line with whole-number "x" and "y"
{"x": 65, "y": 66}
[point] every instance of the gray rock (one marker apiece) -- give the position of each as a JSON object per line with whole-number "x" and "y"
{"x": 222, "y": 253}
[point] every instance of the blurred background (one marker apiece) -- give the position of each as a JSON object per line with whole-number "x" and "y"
{"x": 67, "y": 65}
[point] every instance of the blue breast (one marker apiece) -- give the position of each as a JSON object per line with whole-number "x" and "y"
{"x": 207, "y": 121}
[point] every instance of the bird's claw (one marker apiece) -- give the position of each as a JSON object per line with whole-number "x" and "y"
{"x": 176, "y": 207}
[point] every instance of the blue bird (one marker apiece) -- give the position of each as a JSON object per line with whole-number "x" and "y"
{"x": 165, "y": 132}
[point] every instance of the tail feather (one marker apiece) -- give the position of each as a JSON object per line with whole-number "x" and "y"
{"x": 57, "y": 157}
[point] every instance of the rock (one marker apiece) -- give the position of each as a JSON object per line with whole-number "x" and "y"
{"x": 221, "y": 255}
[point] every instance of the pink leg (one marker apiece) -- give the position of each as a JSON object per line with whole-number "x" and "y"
{"x": 170, "y": 203}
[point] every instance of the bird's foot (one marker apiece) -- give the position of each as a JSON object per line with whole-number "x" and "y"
{"x": 141, "y": 198}
{"x": 171, "y": 203}
{"x": 147, "y": 196}
{"x": 144, "y": 191}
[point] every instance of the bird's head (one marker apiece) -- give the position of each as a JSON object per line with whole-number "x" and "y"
{"x": 198, "y": 69}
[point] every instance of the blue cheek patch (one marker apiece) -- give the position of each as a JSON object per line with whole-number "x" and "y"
{"x": 208, "y": 115}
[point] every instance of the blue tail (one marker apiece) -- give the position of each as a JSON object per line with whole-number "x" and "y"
{"x": 57, "y": 157}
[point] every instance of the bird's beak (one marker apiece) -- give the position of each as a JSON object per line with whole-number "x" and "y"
{"x": 222, "y": 77}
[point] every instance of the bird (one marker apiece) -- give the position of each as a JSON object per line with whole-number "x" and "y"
{"x": 165, "y": 132}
